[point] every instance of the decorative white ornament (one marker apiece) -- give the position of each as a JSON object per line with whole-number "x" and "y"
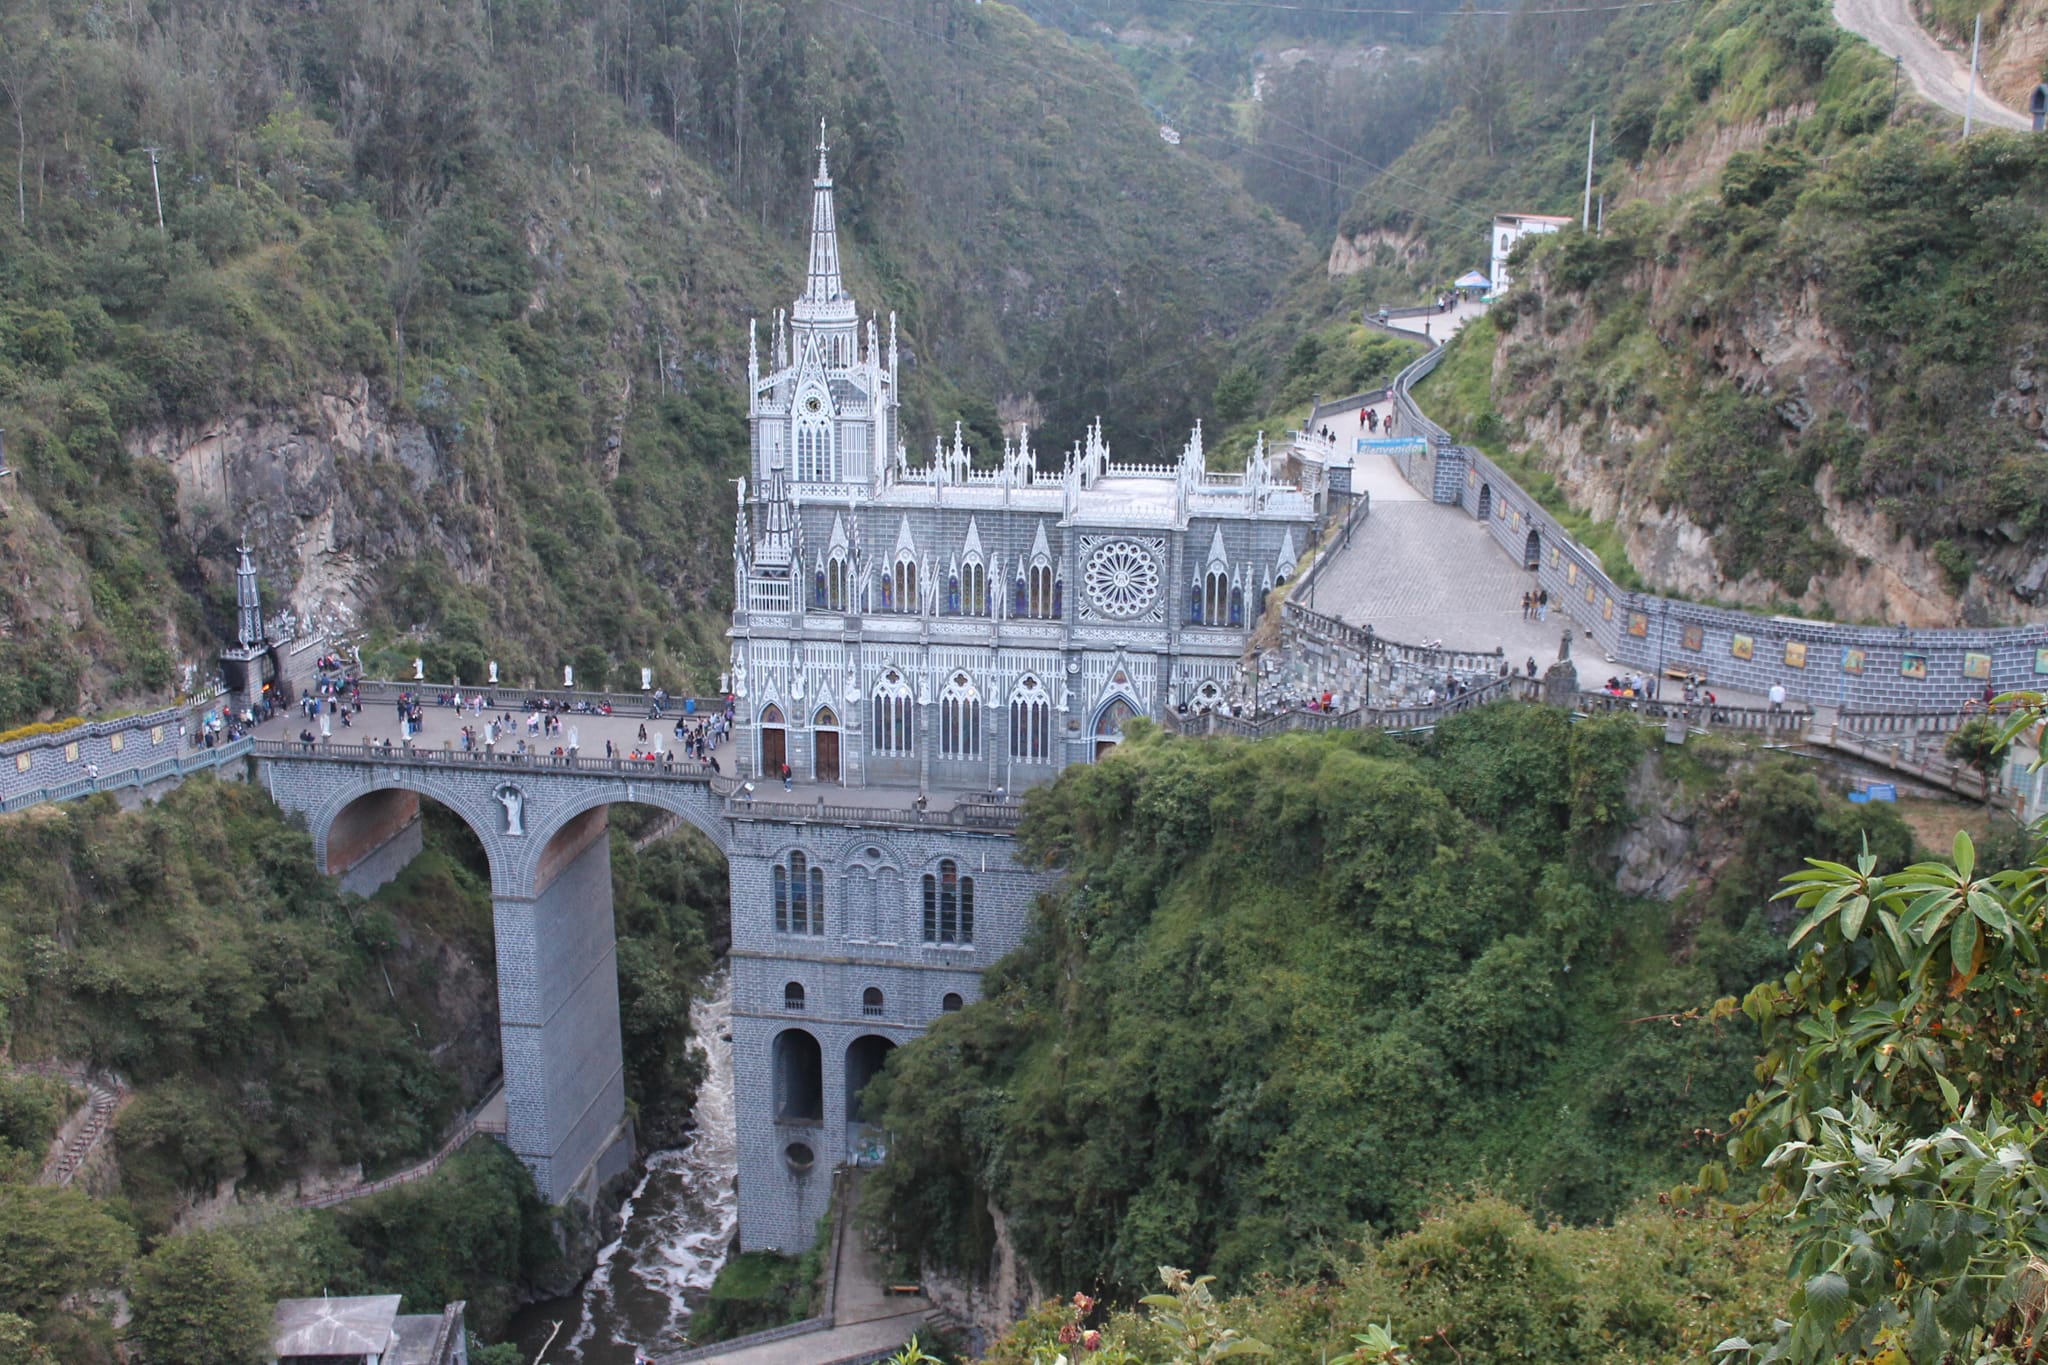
{"x": 1122, "y": 580}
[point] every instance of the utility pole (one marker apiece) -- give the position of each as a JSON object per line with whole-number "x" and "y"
{"x": 1970, "y": 100}
{"x": 1586, "y": 211}
{"x": 1893, "y": 116}
{"x": 158, "y": 186}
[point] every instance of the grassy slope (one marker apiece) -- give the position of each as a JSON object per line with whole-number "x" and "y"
{"x": 545, "y": 245}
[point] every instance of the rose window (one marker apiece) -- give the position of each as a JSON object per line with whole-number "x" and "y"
{"x": 1122, "y": 579}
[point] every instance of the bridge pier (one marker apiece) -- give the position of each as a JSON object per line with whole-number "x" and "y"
{"x": 558, "y": 1016}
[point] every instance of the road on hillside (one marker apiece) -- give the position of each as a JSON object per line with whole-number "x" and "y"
{"x": 1940, "y": 75}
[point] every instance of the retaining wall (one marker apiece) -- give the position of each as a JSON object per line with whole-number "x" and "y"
{"x": 1867, "y": 668}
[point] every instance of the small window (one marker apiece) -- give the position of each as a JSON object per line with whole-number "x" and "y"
{"x": 871, "y": 1002}
{"x": 793, "y": 997}
{"x": 952, "y": 1003}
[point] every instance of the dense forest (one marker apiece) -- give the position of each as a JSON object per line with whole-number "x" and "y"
{"x": 444, "y": 303}
{"x": 276, "y": 1031}
{"x": 1292, "y": 992}
{"x": 1479, "y": 1104}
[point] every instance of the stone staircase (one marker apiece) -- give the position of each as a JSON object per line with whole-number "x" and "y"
{"x": 86, "y": 1128}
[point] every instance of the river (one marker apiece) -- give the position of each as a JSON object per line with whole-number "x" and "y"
{"x": 673, "y": 1230}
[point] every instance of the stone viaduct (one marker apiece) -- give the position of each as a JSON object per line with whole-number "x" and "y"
{"x": 814, "y": 1014}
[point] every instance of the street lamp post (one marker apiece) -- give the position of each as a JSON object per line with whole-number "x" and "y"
{"x": 1257, "y": 656}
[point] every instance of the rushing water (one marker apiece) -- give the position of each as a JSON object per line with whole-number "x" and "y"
{"x": 673, "y": 1230}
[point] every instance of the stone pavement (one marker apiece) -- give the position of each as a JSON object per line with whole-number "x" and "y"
{"x": 1419, "y": 572}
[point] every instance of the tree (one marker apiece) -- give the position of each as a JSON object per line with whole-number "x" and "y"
{"x": 198, "y": 1301}
{"x": 1978, "y": 743}
{"x": 55, "y": 1242}
{"x": 1902, "y": 1107}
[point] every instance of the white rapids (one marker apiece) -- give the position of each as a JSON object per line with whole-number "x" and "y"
{"x": 674, "y": 1229}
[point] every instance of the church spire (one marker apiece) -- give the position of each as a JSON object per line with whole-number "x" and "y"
{"x": 823, "y": 289}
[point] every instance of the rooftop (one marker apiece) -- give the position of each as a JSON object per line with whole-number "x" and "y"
{"x": 333, "y": 1327}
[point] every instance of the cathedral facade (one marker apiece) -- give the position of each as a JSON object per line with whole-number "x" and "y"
{"x": 963, "y": 625}
{"x": 948, "y": 629}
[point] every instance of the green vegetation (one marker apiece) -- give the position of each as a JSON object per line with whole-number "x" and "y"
{"x": 1292, "y": 992}
{"x": 497, "y": 270}
{"x": 273, "y": 1027}
{"x": 1478, "y": 1280}
{"x": 754, "y": 1291}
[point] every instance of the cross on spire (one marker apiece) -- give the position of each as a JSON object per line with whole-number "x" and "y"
{"x": 824, "y": 297}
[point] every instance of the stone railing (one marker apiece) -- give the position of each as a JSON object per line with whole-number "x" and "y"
{"x": 1868, "y": 668}
{"x": 970, "y": 813}
{"x": 173, "y": 767}
{"x": 668, "y": 767}
{"x": 499, "y": 697}
{"x": 1790, "y": 722}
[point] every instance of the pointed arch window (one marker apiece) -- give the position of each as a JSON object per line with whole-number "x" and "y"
{"x": 1216, "y": 596}
{"x": 799, "y": 888}
{"x": 893, "y": 715}
{"x": 818, "y": 587}
{"x": 974, "y": 588}
{"x": 904, "y": 595}
{"x": 1030, "y": 722}
{"x": 837, "y": 597}
{"x": 1237, "y": 605}
{"x": 960, "y": 718}
{"x": 948, "y": 905}
{"x": 953, "y": 594}
{"x": 814, "y": 462}
{"x": 1044, "y": 600}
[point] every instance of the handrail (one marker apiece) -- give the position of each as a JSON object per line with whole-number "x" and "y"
{"x": 176, "y": 766}
{"x": 668, "y": 767}
{"x": 473, "y": 1124}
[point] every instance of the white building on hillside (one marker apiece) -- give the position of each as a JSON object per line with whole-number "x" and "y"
{"x": 1510, "y": 228}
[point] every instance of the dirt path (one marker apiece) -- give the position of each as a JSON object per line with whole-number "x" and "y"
{"x": 1941, "y": 76}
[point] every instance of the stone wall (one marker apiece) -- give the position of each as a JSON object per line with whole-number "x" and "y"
{"x": 40, "y": 763}
{"x": 1869, "y": 668}
{"x": 869, "y": 942}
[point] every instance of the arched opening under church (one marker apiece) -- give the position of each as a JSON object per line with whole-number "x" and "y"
{"x": 1485, "y": 501}
{"x": 1532, "y": 551}
{"x": 1109, "y": 724}
{"x": 799, "y": 1066}
{"x": 865, "y": 1057}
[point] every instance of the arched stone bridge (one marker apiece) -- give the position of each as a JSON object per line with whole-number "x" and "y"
{"x": 817, "y": 1005}
{"x": 545, "y": 830}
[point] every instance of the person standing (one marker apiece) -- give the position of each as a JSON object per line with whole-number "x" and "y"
{"x": 1777, "y": 696}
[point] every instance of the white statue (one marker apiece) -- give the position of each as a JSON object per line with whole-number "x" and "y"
{"x": 419, "y": 669}
{"x": 514, "y": 802}
{"x": 494, "y": 672}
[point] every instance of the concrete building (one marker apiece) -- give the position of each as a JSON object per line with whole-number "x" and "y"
{"x": 365, "y": 1331}
{"x": 1510, "y": 228}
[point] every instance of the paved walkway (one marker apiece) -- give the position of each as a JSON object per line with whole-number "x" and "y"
{"x": 1939, "y": 75}
{"x": 1418, "y": 571}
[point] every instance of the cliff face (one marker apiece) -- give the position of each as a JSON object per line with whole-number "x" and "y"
{"x": 325, "y": 495}
{"x": 1810, "y": 383}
